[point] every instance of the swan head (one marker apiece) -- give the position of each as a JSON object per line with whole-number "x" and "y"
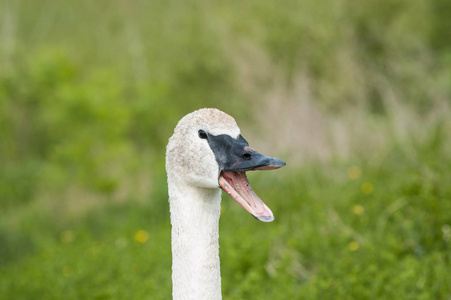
{"x": 208, "y": 151}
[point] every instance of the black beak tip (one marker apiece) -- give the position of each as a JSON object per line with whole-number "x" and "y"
{"x": 270, "y": 163}
{"x": 265, "y": 219}
{"x": 278, "y": 163}
{"x": 275, "y": 163}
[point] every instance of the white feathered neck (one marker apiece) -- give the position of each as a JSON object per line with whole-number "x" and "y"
{"x": 195, "y": 204}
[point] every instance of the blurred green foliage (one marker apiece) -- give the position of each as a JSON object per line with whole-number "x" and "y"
{"x": 91, "y": 91}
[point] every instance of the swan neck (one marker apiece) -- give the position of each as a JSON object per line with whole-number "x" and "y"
{"x": 195, "y": 242}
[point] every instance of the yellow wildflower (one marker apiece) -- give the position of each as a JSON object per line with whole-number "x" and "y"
{"x": 353, "y": 246}
{"x": 367, "y": 188}
{"x": 141, "y": 236}
{"x": 358, "y": 210}
{"x": 354, "y": 172}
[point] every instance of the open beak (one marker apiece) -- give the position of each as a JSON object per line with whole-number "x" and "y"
{"x": 236, "y": 184}
{"x": 235, "y": 157}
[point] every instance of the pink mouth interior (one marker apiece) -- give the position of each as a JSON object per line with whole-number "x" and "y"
{"x": 238, "y": 187}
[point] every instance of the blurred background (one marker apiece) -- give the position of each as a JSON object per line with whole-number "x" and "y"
{"x": 354, "y": 95}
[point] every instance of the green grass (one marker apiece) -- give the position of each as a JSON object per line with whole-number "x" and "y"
{"x": 331, "y": 239}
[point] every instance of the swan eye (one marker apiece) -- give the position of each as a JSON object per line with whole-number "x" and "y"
{"x": 203, "y": 134}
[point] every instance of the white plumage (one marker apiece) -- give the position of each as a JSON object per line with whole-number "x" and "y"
{"x": 194, "y": 167}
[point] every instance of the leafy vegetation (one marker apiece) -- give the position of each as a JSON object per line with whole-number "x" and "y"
{"x": 354, "y": 96}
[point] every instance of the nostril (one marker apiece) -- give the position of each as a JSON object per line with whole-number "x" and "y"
{"x": 247, "y": 155}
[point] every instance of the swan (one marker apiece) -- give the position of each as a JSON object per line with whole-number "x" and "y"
{"x": 205, "y": 154}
